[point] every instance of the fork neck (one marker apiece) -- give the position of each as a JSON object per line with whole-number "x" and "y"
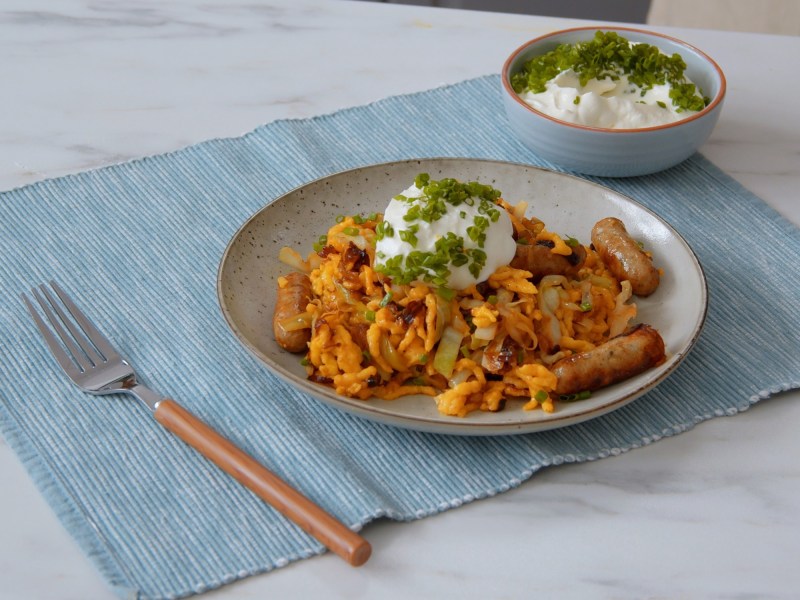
{"x": 150, "y": 398}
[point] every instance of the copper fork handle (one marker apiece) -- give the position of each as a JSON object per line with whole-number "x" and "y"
{"x": 336, "y": 536}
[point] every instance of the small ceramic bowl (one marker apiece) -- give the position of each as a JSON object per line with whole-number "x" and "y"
{"x": 614, "y": 152}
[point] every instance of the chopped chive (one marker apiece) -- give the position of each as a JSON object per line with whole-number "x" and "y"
{"x": 321, "y": 242}
{"x": 574, "y": 397}
{"x": 445, "y": 293}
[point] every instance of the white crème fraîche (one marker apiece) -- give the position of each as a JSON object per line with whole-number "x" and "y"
{"x": 499, "y": 244}
{"x": 606, "y": 103}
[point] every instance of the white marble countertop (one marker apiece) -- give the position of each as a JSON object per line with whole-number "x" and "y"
{"x": 711, "y": 513}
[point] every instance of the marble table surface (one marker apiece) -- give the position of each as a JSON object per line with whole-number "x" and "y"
{"x": 711, "y": 513}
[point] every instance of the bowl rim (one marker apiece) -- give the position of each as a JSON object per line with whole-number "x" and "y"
{"x": 715, "y": 101}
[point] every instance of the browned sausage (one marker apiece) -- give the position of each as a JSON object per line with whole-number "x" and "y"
{"x": 540, "y": 261}
{"x": 618, "y": 359}
{"x": 291, "y": 301}
{"x": 623, "y": 256}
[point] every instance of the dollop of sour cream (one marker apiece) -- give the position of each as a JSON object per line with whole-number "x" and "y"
{"x": 606, "y": 103}
{"x": 442, "y": 239}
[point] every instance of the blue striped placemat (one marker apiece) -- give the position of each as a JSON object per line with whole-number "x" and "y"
{"x": 140, "y": 243}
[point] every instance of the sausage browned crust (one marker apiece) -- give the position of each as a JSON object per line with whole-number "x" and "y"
{"x": 540, "y": 261}
{"x": 291, "y": 301}
{"x": 623, "y": 256}
{"x": 617, "y": 359}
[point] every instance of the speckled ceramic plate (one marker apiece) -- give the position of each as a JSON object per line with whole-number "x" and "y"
{"x": 247, "y": 276}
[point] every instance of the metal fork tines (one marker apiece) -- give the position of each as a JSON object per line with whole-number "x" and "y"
{"x": 84, "y": 353}
{"x": 91, "y": 362}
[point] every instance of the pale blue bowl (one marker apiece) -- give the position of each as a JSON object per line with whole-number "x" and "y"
{"x": 614, "y": 152}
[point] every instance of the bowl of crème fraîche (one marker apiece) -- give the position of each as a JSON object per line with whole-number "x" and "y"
{"x": 612, "y": 102}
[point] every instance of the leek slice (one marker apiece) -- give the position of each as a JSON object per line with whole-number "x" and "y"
{"x": 447, "y": 353}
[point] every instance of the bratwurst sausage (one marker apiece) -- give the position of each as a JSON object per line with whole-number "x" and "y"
{"x": 291, "y": 301}
{"x": 540, "y": 260}
{"x": 623, "y": 256}
{"x": 617, "y": 359}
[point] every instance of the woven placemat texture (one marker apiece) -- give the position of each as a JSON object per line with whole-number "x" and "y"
{"x": 139, "y": 244}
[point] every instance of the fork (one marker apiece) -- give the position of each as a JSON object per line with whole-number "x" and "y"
{"x": 92, "y": 363}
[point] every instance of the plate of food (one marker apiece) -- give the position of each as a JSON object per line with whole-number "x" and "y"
{"x": 463, "y": 296}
